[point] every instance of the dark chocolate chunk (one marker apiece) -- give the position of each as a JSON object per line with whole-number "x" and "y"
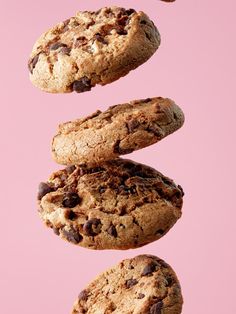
{"x": 146, "y": 100}
{"x": 101, "y": 39}
{"x": 71, "y": 215}
{"x": 92, "y": 227}
{"x": 155, "y": 129}
{"x": 83, "y": 296}
{"x": 156, "y": 308}
{"x": 123, "y": 21}
{"x": 149, "y": 269}
{"x": 72, "y": 235}
{"x": 56, "y": 231}
{"x": 112, "y": 231}
{"x": 44, "y": 188}
{"x": 120, "y": 30}
{"x": 65, "y": 51}
{"x": 130, "y": 11}
{"x": 70, "y": 169}
{"x": 65, "y": 25}
{"x": 141, "y": 296}
{"x": 160, "y": 231}
{"x": 131, "y": 282}
{"x": 71, "y": 200}
{"x": 80, "y": 41}
{"x": 132, "y": 125}
{"x": 32, "y": 63}
{"x": 57, "y": 45}
{"x": 82, "y": 85}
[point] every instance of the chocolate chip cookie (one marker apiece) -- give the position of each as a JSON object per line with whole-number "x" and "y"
{"x": 118, "y": 131}
{"x": 119, "y": 205}
{"x": 92, "y": 48}
{"x": 141, "y": 285}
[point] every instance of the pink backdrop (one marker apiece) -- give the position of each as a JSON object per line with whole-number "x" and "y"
{"x": 195, "y": 66}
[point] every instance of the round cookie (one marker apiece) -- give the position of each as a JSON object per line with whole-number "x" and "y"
{"x": 118, "y": 205}
{"x": 141, "y": 285}
{"x": 117, "y": 131}
{"x": 92, "y": 48}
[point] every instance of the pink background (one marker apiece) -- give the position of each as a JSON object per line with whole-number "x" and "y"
{"x": 195, "y": 66}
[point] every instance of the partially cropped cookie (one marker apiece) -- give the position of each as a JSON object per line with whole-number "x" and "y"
{"x": 118, "y": 205}
{"x": 92, "y": 48}
{"x": 117, "y": 131}
{"x": 141, "y": 285}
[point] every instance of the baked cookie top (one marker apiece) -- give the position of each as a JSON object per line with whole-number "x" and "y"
{"x": 119, "y": 205}
{"x": 117, "y": 131}
{"x": 141, "y": 285}
{"x": 92, "y": 48}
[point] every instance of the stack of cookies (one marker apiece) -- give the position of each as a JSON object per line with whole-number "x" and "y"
{"x": 101, "y": 201}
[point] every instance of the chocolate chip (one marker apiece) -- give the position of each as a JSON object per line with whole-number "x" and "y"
{"x": 80, "y": 41}
{"x": 130, "y": 11}
{"x": 149, "y": 269}
{"x": 181, "y": 189}
{"x": 143, "y": 22}
{"x": 65, "y": 51}
{"x": 32, "y": 63}
{"x": 112, "y": 231}
{"x": 101, "y": 39}
{"x": 146, "y": 100}
{"x": 72, "y": 235}
{"x": 141, "y": 296}
{"x": 156, "y": 308}
{"x": 101, "y": 190}
{"x": 65, "y": 25}
{"x": 90, "y": 24}
{"x": 56, "y": 231}
{"x": 121, "y": 151}
{"x": 106, "y": 29}
{"x": 92, "y": 227}
{"x": 82, "y": 85}
{"x": 130, "y": 283}
{"x": 71, "y": 200}
{"x": 44, "y": 188}
{"x": 123, "y": 21}
{"x": 120, "y": 30}
{"x": 57, "y": 45}
{"x": 83, "y": 296}
{"x": 70, "y": 169}
{"x": 71, "y": 215}
{"x": 160, "y": 231}
{"x": 132, "y": 125}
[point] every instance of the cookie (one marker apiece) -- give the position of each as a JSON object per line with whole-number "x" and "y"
{"x": 119, "y": 205}
{"x": 117, "y": 131}
{"x": 92, "y": 48}
{"x": 141, "y": 285}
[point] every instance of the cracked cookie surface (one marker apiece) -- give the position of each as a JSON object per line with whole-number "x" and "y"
{"x": 117, "y": 131}
{"x": 119, "y": 205}
{"x": 92, "y": 48}
{"x": 141, "y": 285}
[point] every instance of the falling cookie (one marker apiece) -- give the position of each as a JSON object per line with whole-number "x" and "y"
{"x": 117, "y": 131}
{"x": 141, "y": 285}
{"x": 92, "y": 48}
{"x": 119, "y": 205}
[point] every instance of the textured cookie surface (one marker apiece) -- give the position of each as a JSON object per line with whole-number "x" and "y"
{"x": 118, "y": 205}
{"x": 141, "y": 285}
{"x": 92, "y": 48}
{"x": 118, "y": 131}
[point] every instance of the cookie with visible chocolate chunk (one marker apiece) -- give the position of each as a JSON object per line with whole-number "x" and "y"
{"x": 92, "y": 48}
{"x": 117, "y": 131}
{"x": 119, "y": 205}
{"x": 144, "y": 284}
